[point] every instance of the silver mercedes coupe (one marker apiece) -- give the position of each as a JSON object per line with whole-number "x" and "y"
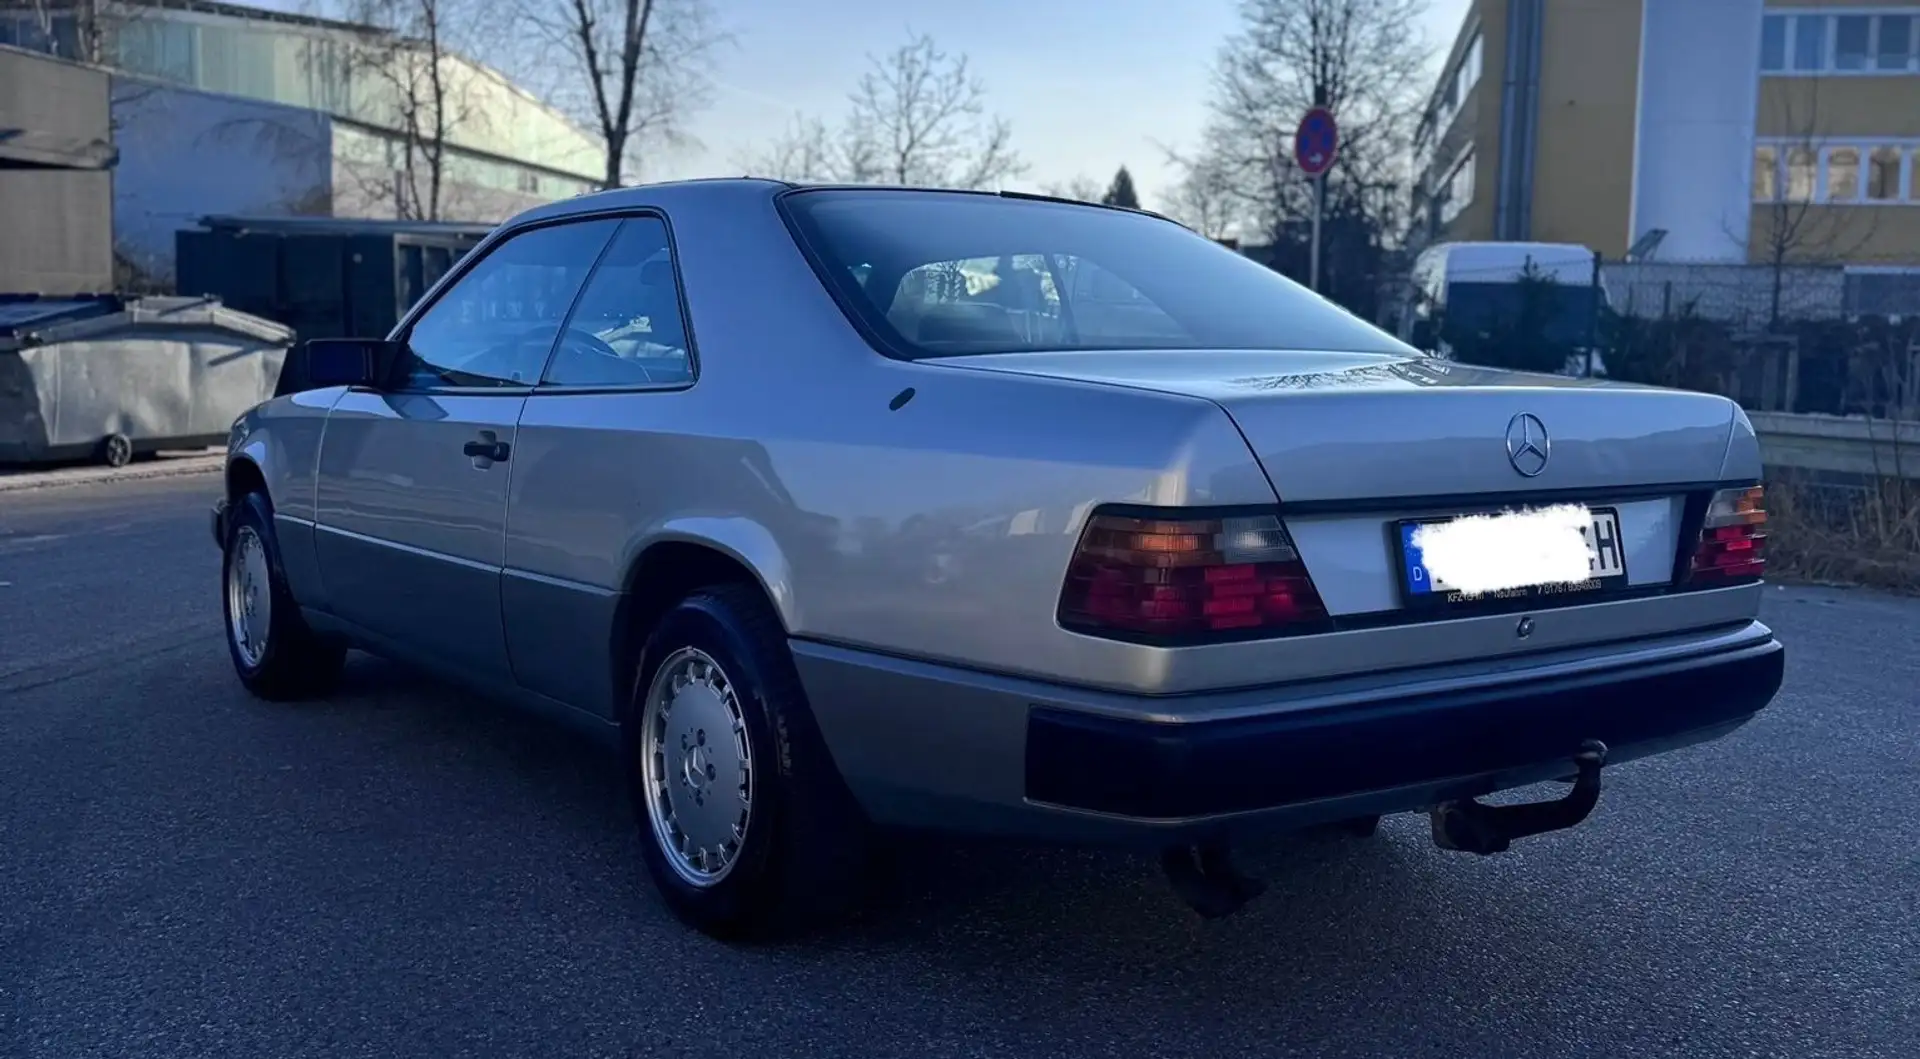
{"x": 847, "y": 509}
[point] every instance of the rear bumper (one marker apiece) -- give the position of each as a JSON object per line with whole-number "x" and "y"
{"x": 928, "y": 746}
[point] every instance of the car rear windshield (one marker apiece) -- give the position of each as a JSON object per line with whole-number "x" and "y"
{"x": 936, "y": 274}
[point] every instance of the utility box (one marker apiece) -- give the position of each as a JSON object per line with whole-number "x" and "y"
{"x": 115, "y": 378}
{"x": 323, "y": 277}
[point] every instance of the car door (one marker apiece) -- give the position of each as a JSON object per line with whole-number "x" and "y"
{"x": 598, "y": 459}
{"x": 412, "y": 487}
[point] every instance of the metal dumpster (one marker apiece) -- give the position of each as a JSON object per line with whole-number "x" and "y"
{"x": 325, "y": 277}
{"x": 113, "y": 377}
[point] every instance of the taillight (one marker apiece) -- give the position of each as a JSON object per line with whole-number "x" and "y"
{"x": 1731, "y": 538}
{"x": 1177, "y": 577}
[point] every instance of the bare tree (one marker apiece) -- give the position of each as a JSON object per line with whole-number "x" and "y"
{"x": 1367, "y": 60}
{"x": 415, "y": 52}
{"x": 1205, "y": 198}
{"x": 1799, "y": 228}
{"x": 925, "y": 117}
{"x": 635, "y": 69}
{"x": 917, "y": 116}
{"x": 98, "y": 26}
{"x": 1081, "y": 188}
{"x": 94, "y": 24}
{"x": 805, "y": 153}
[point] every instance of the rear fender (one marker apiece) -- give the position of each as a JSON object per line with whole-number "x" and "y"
{"x": 741, "y": 539}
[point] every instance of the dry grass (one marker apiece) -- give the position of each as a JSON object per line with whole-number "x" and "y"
{"x": 1867, "y": 536}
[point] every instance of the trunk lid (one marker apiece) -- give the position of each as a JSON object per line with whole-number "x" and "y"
{"x": 1353, "y": 428}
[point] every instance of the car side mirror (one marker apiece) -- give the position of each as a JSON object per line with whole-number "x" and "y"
{"x": 365, "y": 362}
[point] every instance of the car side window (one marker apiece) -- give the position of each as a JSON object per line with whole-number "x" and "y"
{"x": 627, "y": 329}
{"x": 497, "y": 323}
{"x": 1107, "y": 308}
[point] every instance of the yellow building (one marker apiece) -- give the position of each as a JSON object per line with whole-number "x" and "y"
{"x": 1713, "y": 130}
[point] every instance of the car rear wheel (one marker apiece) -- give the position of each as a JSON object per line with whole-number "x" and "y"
{"x": 747, "y": 828}
{"x": 275, "y": 654}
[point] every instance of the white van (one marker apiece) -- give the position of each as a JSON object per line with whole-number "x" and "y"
{"x": 1469, "y": 281}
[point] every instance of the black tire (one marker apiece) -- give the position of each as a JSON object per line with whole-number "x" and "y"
{"x": 296, "y": 663}
{"x": 116, "y": 450}
{"x": 802, "y": 862}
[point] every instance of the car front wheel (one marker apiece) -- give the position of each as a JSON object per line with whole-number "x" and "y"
{"x": 275, "y": 654}
{"x": 748, "y": 830}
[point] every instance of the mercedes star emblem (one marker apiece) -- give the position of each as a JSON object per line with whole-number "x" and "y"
{"x": 1528, "y": 446}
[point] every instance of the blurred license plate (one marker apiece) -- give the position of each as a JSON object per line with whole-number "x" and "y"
{"x": 1606, "y": 565}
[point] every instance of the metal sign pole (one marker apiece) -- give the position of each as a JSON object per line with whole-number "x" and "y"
{"x": 1319, "y": 206}
{"x": 1314, "y": 146}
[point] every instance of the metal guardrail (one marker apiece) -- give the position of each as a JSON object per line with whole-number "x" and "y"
{"x": 1839, "y": 445}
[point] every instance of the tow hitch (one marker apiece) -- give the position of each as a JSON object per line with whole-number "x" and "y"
{"x": 1205, "y": 878}
{"x": 1472, "y": 827}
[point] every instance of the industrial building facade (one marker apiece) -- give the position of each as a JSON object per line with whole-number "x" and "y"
{"x": 223, "y": 109}
{"x": 1710, "y": 131}
{"x": 56, "y": 177}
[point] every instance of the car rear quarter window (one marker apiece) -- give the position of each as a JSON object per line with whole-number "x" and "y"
{"x": 627, "y": 329}
{"x": 496, "y": 324}
{"x": 928, "y": 274}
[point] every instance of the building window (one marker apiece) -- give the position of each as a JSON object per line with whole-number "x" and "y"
{"x": 1773, "y": 43}
{"x": 1843, "y": 174}
{"x": 1457, "y": 191}
{"x": 1852, "y": 43}
{"x": 160, "y": 49}
{"x": 1883, "y": 174}
{"x": 1449, "y": 95}
{"x": 1810, "y": 42}
{"x": 1852, "y": 39}
{"x": 1896, "y": 42}
{"x": 1766, "y": 173}
{"x": 1803, "y": 173}
{"x": 1874, "y": 174}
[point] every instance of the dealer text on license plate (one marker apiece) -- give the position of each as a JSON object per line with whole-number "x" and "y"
{"x": 1606, "y": 564}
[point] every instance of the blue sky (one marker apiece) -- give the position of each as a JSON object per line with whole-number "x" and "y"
{"x": 1089, "y": 85}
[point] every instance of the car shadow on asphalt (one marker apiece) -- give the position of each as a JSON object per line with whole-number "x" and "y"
{"x": 1335, "y": 905}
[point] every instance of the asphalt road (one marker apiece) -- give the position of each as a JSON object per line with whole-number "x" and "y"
{"x": 403, "y": 871}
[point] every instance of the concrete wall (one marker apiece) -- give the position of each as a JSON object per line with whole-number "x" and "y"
{"x": 55, "y": 226}
{"x": 186, "y": 154}
{"x": 1693, "y": 171}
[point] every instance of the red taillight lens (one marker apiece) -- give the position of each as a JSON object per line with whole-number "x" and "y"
{"x": 1182, "y": 577}
{"x": 1731, "y": 539}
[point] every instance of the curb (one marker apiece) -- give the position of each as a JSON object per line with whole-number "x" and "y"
{"x": 71, "y": 476}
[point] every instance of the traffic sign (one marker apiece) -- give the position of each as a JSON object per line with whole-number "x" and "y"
{"x": 1316, "y": 142}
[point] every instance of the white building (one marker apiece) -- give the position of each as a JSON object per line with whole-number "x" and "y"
{"x": 224, "y": 109}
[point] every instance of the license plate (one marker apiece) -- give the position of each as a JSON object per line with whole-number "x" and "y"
{"x": 1514, "y": 555}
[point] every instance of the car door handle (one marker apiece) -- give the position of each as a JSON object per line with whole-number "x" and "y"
{"x": 487, "y": 448}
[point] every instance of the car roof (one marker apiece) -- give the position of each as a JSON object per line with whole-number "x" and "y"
{"x": 702, "y": 192}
